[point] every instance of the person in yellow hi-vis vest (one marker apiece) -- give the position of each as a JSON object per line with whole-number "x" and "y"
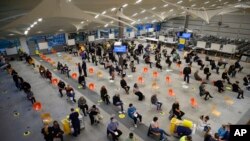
{"x": 186, "y": 138}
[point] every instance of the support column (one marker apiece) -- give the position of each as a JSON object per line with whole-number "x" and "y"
{"x": 121, "y": 26}
{"x": 24, "y": 45}
{"x": 186, "y": 22}
{"x": 66, "y": 37}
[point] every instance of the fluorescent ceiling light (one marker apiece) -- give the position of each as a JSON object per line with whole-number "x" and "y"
{"x": 69, "y": 0}
{"x": 134, "y": 14}
{"x": 82, "y": 22}
{"x": 206, "y": 2}
{"x": 133, "y": 22}
{"x": 138, "y": 1}
{"x": 39, "y": 31}
{"x": 193, "y": 5}
{"x": 31, "y": 26}
{"x": 26, "y": 32}
{"x": 40, "y": 19}
{"x": 139, "y": 20}
{"x": 165, "y": 5}
{"x": 162, "y": 13}
{"x": 113, "y": 9}
{"x": 11, "y": 34}
{"x": 96, "y": 16}
{"x": 60, "y": 30}
{"x": 34, "y": 23}
{"x": 153, "y": 21}
{"x": 183, "y": 12}
{"x": 143, "y": 11}
{"x": 213, "y": 5}
{"x": 104, "y": 12}
{"x": 153, "y": 8}
{"x": 226, "y": 2}
{"x": 179, "y": 2}
{"x": 28, "y": 28}
{"x": 125, "y": 5}
{"x": 171, "y": 10}
{"x": 112, "y": 22}
{"x": 106, "y": 25}
{"x": 146, "y": 18}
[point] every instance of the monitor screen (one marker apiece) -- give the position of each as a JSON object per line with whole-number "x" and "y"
{"x": 120, "y": 49}
{"x": 186, "y": 35}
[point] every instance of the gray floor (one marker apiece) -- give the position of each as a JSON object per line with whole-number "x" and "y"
{"x": 59, "y": 107}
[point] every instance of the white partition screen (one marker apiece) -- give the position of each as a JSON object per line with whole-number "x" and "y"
{"x": 132, "y": 34}
{"x": 11, "y": 51}
{"x": 43, "y": 45}
{"x": 71, "y": 42}
{"x": 201, "y": 44}
{"x": 162, "y": 38}
{"x": 111, "y": 36}
{"x": 91, "y": 38}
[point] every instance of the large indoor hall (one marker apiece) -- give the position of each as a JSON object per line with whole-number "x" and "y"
{"x": 124, "y": 70}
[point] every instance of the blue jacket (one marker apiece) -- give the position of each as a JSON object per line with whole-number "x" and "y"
{"x": 131, "y": 111}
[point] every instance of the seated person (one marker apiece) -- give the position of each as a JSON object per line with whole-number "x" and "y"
{"x": 225, "y": 76}
{"x": 155, "y": 127}
{"x": 70, "y": 93}
{"x": 124, "y": 85}
{"x": 132, "y": 66}
{"x": 231, "y": 71}
{"x": 49, "y": 75}
{"x": 196, "y": 76}
{"x": 213, "y": 66}
{"x": 59, "y": 66}
{"x": 93, "y": 114}
{"x": 201, "y": 64}
{"x": 132, "y": 113}
{"x": 117, "y": 101}
{"x": 147, "y": 61}
{"x": 26, "y": 86}
{"x": 238, "y": 66}
{"x": 203, "y": 124}
{"x": 246, "y": 83}
{"x": 236, "y": 88}
{"x": 137, "y": 92}
{"x": 154, "y": 100}
{"x": 113, "y": 129}
{"x": 42, "y": 71}
{"x": 183, "y": 131}
{"x": 203, "y": 91}
{"x": 222, "y": 131}
{"x": 81, "y": 81}
{"x": 61, "y": 86}
{"x": 219, "y": 84}
{"x": 158, "y": 65}
{"x": 176, "y": 110}
{"x": 104, "y": 95}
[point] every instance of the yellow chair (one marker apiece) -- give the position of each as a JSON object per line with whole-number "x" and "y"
{"x": 66, "y": 126}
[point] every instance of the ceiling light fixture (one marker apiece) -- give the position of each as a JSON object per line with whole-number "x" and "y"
{"x": 40, "y": 19}
{"x": 82, "y": 22}
{"x": 133, "y": 22}
{"x": 96, "y": 16}
{"x": 104, "y": 12}
{"x": 61, "y": 30}
{"x": 179, "y": 2}
{"x": 153, "y": 8}
{"x": 206, "y": 2}
{"x": 165, "y": 5}
{"x": 138, "y": 1}
{"x": 153, "y": 21}
{"x": 113, "y": 9}
{"x": 143, "y": 11}
{"x": 11, "y": 34}
{"x": 125, "y": 5}
{"x": 106, "y": 25}
{"x": 34, "y": 23}
{"x": 26, "y": 32}
{"x": 134, "y": 14}
{"x": 193, "y": 5}
{"x": 31, "y": 26}
{"x": 226, "y": 2}
{"x": 146, "y": 18}
{"x": 213, "y": 5}
{"x": 171, "y": 10}
{"x": 28, "y": 28}
{"x": 69, "y": 0}
{"x": 112, "y": 22}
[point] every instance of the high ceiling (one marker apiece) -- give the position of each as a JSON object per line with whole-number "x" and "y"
{"x": 16, "y": 16}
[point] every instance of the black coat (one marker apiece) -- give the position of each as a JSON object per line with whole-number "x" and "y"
{"x": 187, "y": 70}
{"x": 123, "y": 83}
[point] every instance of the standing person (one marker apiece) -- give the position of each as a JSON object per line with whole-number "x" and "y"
{"x": 113, "y": 129}
{"x": 104, "y": 95}
{"x": 74, "y": 118}
{"x": 57, "y": 132}
{"x": 61, "y": 86}
{"x": 236, "y": 88}
{"x": 213, "y": 66}
{"x": 197, "y": 76}
{"x": 82, "y": 104}
{"x": 30, "y": 96}
{"x": 238, "y": 66}
{"x": 176, "y": 110}
{"x": 155, "y": 127}
{"x": 26, "y": 86}
{"x": 84, "y": 68}
{"x": 47, "y": 132}
{"x": 207, "y": 72}
{"x": 203, "y": 91}
{"x": 124, "y": 85}
{"x": 79, "y": 68}
{"x": 132, "y": 113}
{"x": 154, "y": 100}
{"x": 117, "y": 101}
{"x": 15, "y": 79}
{"x": 187, "y": 72}
{"x": 49, "y": 75}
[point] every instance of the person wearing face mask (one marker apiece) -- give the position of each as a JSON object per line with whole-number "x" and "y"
{"x": 113, "y": 129}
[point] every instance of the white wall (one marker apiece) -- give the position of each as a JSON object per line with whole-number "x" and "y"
{"x": 24, "y": 45}
{"x": 238, "y": 25}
